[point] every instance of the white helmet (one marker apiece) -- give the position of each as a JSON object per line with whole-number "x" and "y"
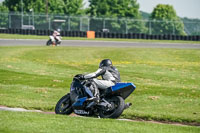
{"x": 58, "y": 30}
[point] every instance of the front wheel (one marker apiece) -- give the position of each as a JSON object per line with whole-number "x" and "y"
{"x": 49, "y": 42}
{"x": 117, "y": 103}
{"x": 64, "y": 105}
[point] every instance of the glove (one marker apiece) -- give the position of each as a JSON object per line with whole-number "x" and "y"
{"x": 81, "y": 77}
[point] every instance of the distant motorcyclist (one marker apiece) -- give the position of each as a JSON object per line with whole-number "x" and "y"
{"x": 56, "y": 36}
{"x": 110, "y": 76}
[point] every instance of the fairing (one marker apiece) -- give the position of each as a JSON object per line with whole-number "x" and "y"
{"x": 123, "y": 89}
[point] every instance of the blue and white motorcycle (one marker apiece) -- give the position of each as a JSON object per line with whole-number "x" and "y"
{"x": 111, "y": 104}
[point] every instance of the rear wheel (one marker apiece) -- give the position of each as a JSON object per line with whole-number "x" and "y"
{"x": 64, "y": 105}
{"x": 117, "y": 103}
{"x": 58, "y": 42}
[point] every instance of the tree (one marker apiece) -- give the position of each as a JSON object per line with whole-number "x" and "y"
{"x": 69, "y": 7}
{"x": 116, "y": 10}
{"x": 56, "y": 8}
{"x": 3, "y": 16}
{"x": 3, "y": 8}
{"x": 165, "y": 21}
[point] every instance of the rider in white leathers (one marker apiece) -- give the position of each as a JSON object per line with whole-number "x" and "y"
{"x": 110, "y": 75}
{"x": 55, "y": 36}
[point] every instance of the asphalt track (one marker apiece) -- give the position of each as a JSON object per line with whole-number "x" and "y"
{"x": 86, "y": 43}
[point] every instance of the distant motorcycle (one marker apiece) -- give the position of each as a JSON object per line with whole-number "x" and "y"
{"x": 50, "y": 42}
{"x": 111, "y": 104}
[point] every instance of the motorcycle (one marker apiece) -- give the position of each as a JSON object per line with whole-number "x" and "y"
{"x": 50, "y": 42}
{"x": 79, "y": 100}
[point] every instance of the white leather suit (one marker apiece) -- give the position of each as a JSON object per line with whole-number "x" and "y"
{"x": 109, "y": 74}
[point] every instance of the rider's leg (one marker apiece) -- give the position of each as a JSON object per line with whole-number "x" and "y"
{"x": 53, "y": 40}
{"x": 95, "y": 91}
{"x": 58, "y": 38}
{"x": 103, "y": 84}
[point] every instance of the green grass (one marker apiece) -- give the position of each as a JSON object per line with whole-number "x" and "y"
{"x": 18, "y": 122}
{"x": 17, "y": 36}
{"x": 167, "y": 80}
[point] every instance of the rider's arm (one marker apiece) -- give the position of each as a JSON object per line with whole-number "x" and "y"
{"x": 58, "y": 34}
{"x": 95, "y": 74}
{"x": 54, "y": 34}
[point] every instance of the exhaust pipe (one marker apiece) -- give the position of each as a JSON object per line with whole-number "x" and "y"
{"x": 127, "y": 105}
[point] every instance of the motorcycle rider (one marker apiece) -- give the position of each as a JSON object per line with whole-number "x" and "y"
{"x": 110, "y": 76}
{"x": 55, "y": 36}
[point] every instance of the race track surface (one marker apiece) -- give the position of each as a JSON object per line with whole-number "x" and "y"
{"x": 85, "y": 43}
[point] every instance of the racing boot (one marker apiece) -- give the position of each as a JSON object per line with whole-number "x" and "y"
{"x": 96, "y": 94}
{"x": 95, "y": 91}
{"x": 54, "y": 43}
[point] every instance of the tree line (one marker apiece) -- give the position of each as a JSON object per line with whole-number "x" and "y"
{"x": 163, "y": 19}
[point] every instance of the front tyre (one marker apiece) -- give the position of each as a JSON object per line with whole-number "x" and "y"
{"x": 64, "y": 105}
{"x": 118, "y": 105}
{"x": 49, "y": 42}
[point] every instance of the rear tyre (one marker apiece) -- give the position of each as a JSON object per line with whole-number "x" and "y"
{"x": 118, "y": 107}
{"x": 64, "y": 105}
{"x": 58, "y": 43}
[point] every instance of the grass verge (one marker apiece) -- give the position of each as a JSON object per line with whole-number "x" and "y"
{"x": 21, "y": 122}
{"x": 167, "y": 80}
